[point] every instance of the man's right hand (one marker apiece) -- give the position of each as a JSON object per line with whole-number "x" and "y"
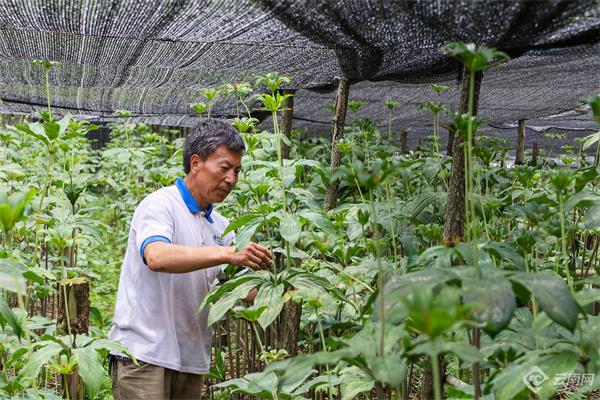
{"x": 252, "y": 256}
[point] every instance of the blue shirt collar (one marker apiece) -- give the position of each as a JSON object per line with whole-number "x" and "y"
{"x": 191, "y": 202}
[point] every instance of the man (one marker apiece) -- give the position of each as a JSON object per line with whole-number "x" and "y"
{"x": 173, "y": 256}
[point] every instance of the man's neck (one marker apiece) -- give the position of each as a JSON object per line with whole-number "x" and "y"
{"x": 196, "y": 194}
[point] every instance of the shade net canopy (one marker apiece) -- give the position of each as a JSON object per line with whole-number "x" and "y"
{"x": 152, "y": 57}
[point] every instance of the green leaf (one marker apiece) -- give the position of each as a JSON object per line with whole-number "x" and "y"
{"x": 290, "y": 228}
{"x": 591, "y": 219}
{"x": 354, "y": 382}
{"x": 261, "y": 384}
{"x": 492, "y": 301}
{"x": 420, "y": 202}
{"x": 289, "y": 176}
{"x": 227, "y": 287}
{"x": 507, "y": 252}
{"x": 7, "y": 316}
{"x": 51, "y": 129}
{"x": 587, "y": 296}
{"x": 320, "y": 220}
{"x": 552, "y": 294}
{"x": 308, "y": 281}
{"x": 104, "y": 346}
{"x": 90, "y": 369}
{"x": 228, "y": 300}
{"x": 245, "y": 234}
{"x": 40, "y": 357}
{"x": 510, "y": 381}
{"x": 241, "y": 221}
{"x": 11, "y": 278}
{"x": 464, "y": 351}
{"x": 590, "y": 140}
{"x": 398, "y": 288}
{"x": 582, "y": 199}
{"x": 270, "y": 296}
{"x": 390, "y": 369}
{"x": 251, "y": 314}
{"x": 34, "y": 129}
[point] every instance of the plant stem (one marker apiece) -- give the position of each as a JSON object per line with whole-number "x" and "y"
{"x": 436, "y": 134}
{"x": 389, "y": 126}
{"x": 533, "y": 302}
{"x": 64, "y": 286}
{"x": 389, "y": 200}
{"x": 563, "y": 239}
{"x": 379, "y": 279}
{"x": 288, "y": 258}
{"x": 262, "y": 349}
{"x": 47, "y": 84}
{"x": 437, "y": 386}
{"x": 322, "y": 335}
{"x": 470, "y": 206}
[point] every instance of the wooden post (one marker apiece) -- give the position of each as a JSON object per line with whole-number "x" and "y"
{"x": 451, "y": 135}
{"x": 520, "y": 150}
{"x": 404, "y": 141}
{"x": 427, "y": 389}
{"x": 535, "y": 152}
{"x": 287, "y": 114}
{"x": 341, "y": 104}
{"x": 77, "y": 304}
{"x": 454, "y": 218}
{"x": 289, "y": 319}
{"x": 289, "y": 327}
{"x": 74, "y": 384}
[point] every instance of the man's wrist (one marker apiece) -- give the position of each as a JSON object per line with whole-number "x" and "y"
{"x": 227, "y": 256}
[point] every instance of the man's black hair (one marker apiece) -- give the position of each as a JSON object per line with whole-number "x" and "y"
{"x": 206, "y": 137}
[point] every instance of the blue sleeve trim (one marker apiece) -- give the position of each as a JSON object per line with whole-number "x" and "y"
{"x": 152, "y": 239}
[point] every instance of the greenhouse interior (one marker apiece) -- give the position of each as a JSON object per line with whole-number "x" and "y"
{"x": 278, "y": 199}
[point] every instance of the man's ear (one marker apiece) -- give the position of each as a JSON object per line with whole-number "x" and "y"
{"x": 195, "y": 162}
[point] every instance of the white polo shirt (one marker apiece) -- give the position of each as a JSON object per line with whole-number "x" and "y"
{"x": 155, "y": 313}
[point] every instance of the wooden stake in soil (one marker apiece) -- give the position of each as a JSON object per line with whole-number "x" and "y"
{"x": 287, "y": 114}
{"x": 520, "y": 150}
{"x": 454, "y": 219}
{"x": 535, "y": 152}
{"x": 289, "y": 322}
{"x": 341, "y": 104}
{"x": 404, "y": 141}
{"x": 451, "y": 135}
{"x": 78, "y": 305}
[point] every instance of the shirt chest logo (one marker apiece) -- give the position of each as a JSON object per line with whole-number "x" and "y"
{"x": 218, "y": 240}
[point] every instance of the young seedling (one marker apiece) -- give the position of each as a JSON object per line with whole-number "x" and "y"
{"x": 200, "y": 108}
{"x": 355, "y": 105}
{"x": 474, "y": 58}
{"x": 47, "y": 65}
{"x": 390, "y": 105}
{"x": 211, "y": 96}
{"x": 241, "y": 91}
{"x": 594, "y": 103}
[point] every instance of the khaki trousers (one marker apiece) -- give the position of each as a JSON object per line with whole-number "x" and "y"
{"x": 151, "y": 382}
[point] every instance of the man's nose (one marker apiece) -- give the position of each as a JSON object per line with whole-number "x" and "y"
{"x": 231, "y": 178}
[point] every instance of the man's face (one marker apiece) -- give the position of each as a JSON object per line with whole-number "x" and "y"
{"x": 214, "y": 178}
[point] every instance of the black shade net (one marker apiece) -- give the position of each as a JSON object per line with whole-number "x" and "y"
{"x": 152, "y": 57}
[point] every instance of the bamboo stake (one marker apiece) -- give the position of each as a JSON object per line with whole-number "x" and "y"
{"x": 341, "y": 105}
{"x": 520, "y": 150}
{"x": 287, "y": 114}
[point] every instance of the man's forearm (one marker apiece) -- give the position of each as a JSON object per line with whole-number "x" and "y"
{"x": 176, "y": 259}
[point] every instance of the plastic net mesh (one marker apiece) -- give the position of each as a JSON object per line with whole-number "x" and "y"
{"x": 152, "y": 57}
